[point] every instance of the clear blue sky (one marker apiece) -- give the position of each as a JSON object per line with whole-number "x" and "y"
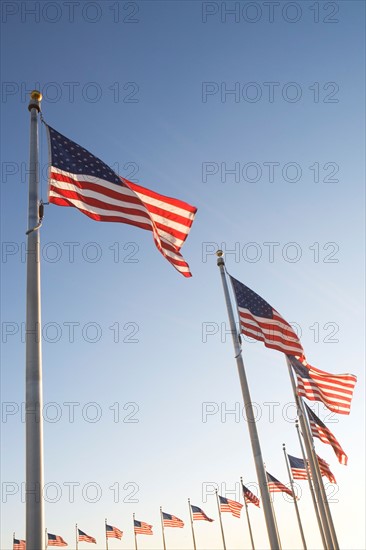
{"x": 146, "y": 87}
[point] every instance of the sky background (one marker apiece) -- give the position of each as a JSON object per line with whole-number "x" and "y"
{"x": 138, "y": 369}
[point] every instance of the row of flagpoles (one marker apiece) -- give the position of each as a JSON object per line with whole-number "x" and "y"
{"x": 80, "y": 180}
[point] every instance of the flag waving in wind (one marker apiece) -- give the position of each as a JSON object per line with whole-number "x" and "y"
{"x": 172, "y": 521}
{"x": 275, "y": 486}
{"x": 260, "y": 321}
{"x": 55, "y": 540}
{"x": 113, "y": 532}
{"x": 19, "y": 544}
{"x": 227, "y": 505}
{"x": 318, "y": 429}
{"x": 85, "y": 538}
{"x": 79, "y": 179}
{"x": 199, "y": 514}
{"x": 298, "y": 468}
{"x": 249, "y": 496}
{"x": 334, "y": 390}
{"x": 142, "y": 528}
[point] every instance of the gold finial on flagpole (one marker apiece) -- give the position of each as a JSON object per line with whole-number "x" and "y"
{"x": 219, "y": 253}
{"x": 36, "y": 98}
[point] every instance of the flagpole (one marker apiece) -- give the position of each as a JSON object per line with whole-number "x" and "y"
{"x": 162, "y": 527}
{"x": 311, "y": 487}
{"x": 257, "y": 453}
{"x": 190, "y": 515}
{"x": 314, "y": 472}
{"x": 33, "y": 400}
{"x": 13, "y": 539}
{"x": 294, "y": 498}
{"x": 222, "y": 528}
{"x": 247, "y": 513}
{"x": 45, "y": 538}
{"x": 76, "y": 533}
{"x": 134, "y": 530}
{"x": 106, "y": 538}
{"x": 273, "y": 510}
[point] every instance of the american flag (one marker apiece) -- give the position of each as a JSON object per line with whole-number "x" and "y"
{"x": 79, "y": 179}
{"x": 142, "y": 528}
{"x": 113, "y": 532}
{"x": 172, "y": 521}
{"x": 275, "y": 486}
{"x": 199, "y": 514}
{"x": 334, "y": 390}
{"x": 55, "y": 540}
{"x": 260, "y": 321}
{"x": 250, "y": 497}
{"x": 19, "y": 544}
{"x": 298, "y": 467}
{"x": 325, "y": 470}
{"x": 227, "y": 505}
{"x": 85, "y": 538}
{"x": 319, "y": 430}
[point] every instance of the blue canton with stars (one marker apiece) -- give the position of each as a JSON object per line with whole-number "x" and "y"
{"x": 248, "y": 299}
{"x": 70, "y": 157}
{"x": 300, "y": 369}
{"x": 296, "y": 462}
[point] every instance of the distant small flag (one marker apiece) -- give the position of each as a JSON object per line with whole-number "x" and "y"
{"x": 80, "y": 180}
{"x": 334, "y": 390}
{"x": 298, "y": 467}
{"x": 55, "y": 540}
{"x": 325, "y": 470}
{"x": 250, "y": 497}
{"x": 113, "y": 532}
{"x": 199, "y": 514}
{"x": 83, "y": 537}
{"x": 260, "y": 321}
{"x": 172, "y": 521}
{"x": 227, "y": 505}
{"x": 275, "y": 486}
{"x": 19, "y": 544}
{"x": 319, "y": 430}
{"x": 142, "y": 528}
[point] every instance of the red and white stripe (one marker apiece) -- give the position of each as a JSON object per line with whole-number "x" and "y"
{"x": 169, "y": 219}
{"x": 334, "y": 390}
{"x": 275, "y": 333}
{"x": 86, "y": 538}
{"x": 57, "y": 541}
{"x": 325, "y": 470}
{"x": 174, "y": 522}
{"x": 231, "y": 506}
{"x": 326, "y": 436}
{"x": 250, "y": 497}
{"x": 299, "y": 473}
{"x": 19, "y": 544}
{"x": 143, "y": 529}
{"x": 115, "y": 533}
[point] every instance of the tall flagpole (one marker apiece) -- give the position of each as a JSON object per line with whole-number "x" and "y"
{"x": 162, "y": 527}
{"x": 311, "y": 488}
{"x": 77, "y": 536}
{"x": 33, "y": 400}
{"x": 190, "y": 515}
{"x": 134, "y": 530}
{"x": 271, "y": 496}
{"x": 45, "y": 539}
{"x": 247, "y": 513}
{"x": 222, "y": 528}
{"x": 106, "y": 538}
{"x": 313, "y": 465}
{"x": 257, "y": 453}
{"x": 294, "y": 498}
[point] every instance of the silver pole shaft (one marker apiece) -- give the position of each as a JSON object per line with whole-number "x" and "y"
{"x": 222, "y": 527}
{"x": 134, "y": 530}
{"x": 162, "y": 527}
{"x": 35, "y": 530}
{"x": 311, "y": 489}
{"x": 247, "y": 513}
{"x": 190, "y": 515}
{"x": 307, "y": 440}
{"x": 77, "y": 536}
{"x": 256, "y": 449}
{"x": 295, "y": 501}
{"x": 106, "y": 538}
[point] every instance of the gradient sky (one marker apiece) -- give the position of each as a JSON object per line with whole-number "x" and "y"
{"x": 146, "y": 86}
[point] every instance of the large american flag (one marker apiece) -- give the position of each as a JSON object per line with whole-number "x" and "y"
{"x": 19, "y": 544}
{"x": 260, "y": 321}
{"x": 227, "y": 505}
{"x": 171, "y": 521}
{"x": 249, "y": 496}
{"x": 319, "y": 430}
{"x": 199, "y": 514}
{"x": 55, "y": 540}
{"x": 79, "y": 179}
{"x": 325, "y": 470}
{"x": 85, "y": 538}
{"x": 142, "y": 528}
{"x": 275, "y": 486}
{"x": 334, "y": 390}
{"x": 298, "y": 467}
{"x": 113, "y": 532}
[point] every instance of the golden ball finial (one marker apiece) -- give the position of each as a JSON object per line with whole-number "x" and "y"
{"x": 219, "y": 253}
{"x": 36, "y": 95}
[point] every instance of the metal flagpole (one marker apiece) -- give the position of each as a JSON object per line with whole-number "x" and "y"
{"x": 134, "y": 530}
{"x": 273, "y": 510}
{"x": 257, "y": 453}
{"x": 33, "y": 400}
{"x": 294, "y": 497}
{"x": 77, "y": 536}
{"x": 162, "y": 527}
{"x": 308, "y": 445}
{"x": 247, "y": 513}
{"x": 311, "y": 487}
{"x": 106, "y": 538}
{"x": 190, "y": 515}
{"x": 45, "y": 539}
{"x": 222, "y": 528}
{"x": 13, "y": 539}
